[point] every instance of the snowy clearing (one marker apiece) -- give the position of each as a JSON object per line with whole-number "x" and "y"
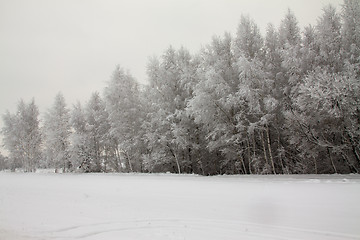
{"x": 139, "y": 206}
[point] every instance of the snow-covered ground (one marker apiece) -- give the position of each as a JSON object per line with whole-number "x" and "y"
{"x": 136, "y": 206}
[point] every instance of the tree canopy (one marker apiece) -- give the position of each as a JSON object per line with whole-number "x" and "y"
{"x": 286, "y": 102}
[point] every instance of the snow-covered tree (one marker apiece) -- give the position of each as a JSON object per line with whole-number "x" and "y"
{"x": 22, "y": 136}
{"x": 80, "y": 148}
{"x": 350, "y": 30}
{"x": 325, "y": 121}
{"x": 289, "y": 31}
{"x": 122, "y": 98}
{"x": 328, "y": 39}
{"x": 309, "y": 50}
{"x": 289, "y": 38}
{"x": 272, "y": 48}
{"x": 91, "y": 140}
{"x": 164, "y": 96}
{"x": 214, "y": 105}
{"x": 248, "y": 42}
{"x": 56, "y": 134}
{"x": 255, "y": 94}
{"x": 96, "y": 128}
{"x": 170, "y": 130}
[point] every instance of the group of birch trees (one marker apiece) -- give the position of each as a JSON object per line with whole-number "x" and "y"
{"x": 288, "y": 102}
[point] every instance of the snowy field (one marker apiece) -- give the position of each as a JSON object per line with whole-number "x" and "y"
{"x": 136, "y": 206}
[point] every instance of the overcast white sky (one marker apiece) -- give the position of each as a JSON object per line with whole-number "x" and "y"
{"x": 72, "y": 46}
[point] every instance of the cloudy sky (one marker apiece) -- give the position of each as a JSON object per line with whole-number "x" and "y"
{"x": 72, "y": 46}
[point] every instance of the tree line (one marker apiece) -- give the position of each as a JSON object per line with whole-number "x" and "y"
{"x": 285, "y": 103}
